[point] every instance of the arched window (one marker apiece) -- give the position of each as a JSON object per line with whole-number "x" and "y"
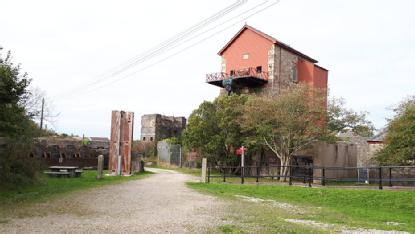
{"x": 294, "y": 75}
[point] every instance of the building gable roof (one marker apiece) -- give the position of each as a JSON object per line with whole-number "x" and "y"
{"x": 268, "y": 37}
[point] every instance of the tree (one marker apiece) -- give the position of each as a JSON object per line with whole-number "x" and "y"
{"x": 287, "y": 123}
{"x": 16, "y": 127}
{"x": 36, "y": 102}
{"x": 13, "y": 97}
{"x": 213, "y": 129}
{"x": 400, "y": 137}
{"x": 341, "y": 119}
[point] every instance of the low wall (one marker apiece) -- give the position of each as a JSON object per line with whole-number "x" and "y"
{"x": 341, "y": 154}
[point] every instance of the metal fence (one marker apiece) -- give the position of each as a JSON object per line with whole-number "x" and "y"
{"x": 380, "y": 176}
{"x": 169, "y": 153}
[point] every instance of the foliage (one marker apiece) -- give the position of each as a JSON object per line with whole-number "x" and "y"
{"x": 213, "y": 129}
{"x": 173, "y": 140}
{"x": 147, "y": 149}
{"x": 287, "y": 123}
{"x": 400, "y": 136}
{"x": 16, "y": 167}
{"x": 13, "y": 97}
{"x": 352, "y": 207}
{"x": 341, "y": 119}
{"x": 33, "y": 107}
{"x": 85, "y": 141}
{"x": 16, "y": 126}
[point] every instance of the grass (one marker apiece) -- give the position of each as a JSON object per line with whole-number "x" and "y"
{"x": 346, "y": 207}
{"x": 51, "y": 187}
{"x": 246, "y": 217}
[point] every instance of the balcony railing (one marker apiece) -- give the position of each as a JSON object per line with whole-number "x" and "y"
{"x": 237, "y": 74}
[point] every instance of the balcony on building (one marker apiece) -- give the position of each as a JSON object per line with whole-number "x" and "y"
{"x": 246, "y": 77}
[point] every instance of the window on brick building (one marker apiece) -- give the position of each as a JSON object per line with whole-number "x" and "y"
{"x": 144, "y": 138}
{"x": 151, "y": 138}
{"x": 259, "y": 69}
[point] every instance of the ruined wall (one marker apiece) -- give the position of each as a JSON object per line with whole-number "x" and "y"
{"x": 122, "y": 123}
{"x": 321, "y": 154}
{"x": 373, "y": 148}
{"x": 169, "y": 126}
{"x": 68, "y": 152}
{"x": 157, "y": 127}
{"x": 148, "y": 127}
{"x": 334, "y": 155}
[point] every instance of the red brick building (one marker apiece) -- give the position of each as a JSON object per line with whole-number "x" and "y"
{"x": 257, "y": 62}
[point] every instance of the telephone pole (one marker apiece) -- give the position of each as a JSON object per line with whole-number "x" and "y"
{"x": 41, "y": 113}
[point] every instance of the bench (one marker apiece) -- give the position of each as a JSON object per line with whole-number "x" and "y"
{"x": 57, "y": 173}
{"x": 64, "y": 171}
{"x": 78, "y": 173}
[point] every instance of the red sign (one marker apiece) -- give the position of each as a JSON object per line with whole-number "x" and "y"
{"x": 241, "y": 150}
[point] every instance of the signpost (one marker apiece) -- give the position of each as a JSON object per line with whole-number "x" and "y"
{"x": 241, "y": 152}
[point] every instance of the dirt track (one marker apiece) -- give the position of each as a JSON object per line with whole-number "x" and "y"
{"x": 158, "y": 204}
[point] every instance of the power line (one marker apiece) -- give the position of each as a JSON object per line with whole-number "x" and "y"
{"x": 192, "y": 45}
{"x": 184, "y": 34}
{"x": 188, "y": 47}
{"x": 168, "y": 44}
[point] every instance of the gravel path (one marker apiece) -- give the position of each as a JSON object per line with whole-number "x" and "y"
{"x": 158, "y": 204}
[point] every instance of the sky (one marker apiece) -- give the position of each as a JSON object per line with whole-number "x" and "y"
{"x": 69, "y": 49}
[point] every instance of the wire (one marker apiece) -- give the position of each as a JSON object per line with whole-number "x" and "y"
{"x": 166, "y": 45}
{"x": 188, "y": 47}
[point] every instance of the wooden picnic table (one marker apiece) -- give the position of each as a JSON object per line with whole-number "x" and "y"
{"x": 64, "y": 171}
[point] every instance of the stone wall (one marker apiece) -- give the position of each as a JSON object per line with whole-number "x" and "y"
{"x": 321, "y": 154}
{"x": 285, "y": 61}
{"x": 341, "y": 154}
{"x": 157, "y": 127}
{"x": 68, "y": 152}
{"x": 148, "y": 127}
{"x": 280, "y": 72}
{"x": 368, "y": 159}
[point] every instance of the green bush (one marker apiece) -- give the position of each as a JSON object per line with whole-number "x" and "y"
{"x": 17, "y": 129}
{"x": 16, "y": 167}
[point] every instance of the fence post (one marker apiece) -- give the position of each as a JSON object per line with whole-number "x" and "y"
{"x": 208, "y": 176}
{"x": 310, "y": 176}
{"x": 100, "y": 167}
{"x": 257, "y": 174}
{"x": 242, "y": 175}
{"x": 290, "y": 182}
{"x": 180, "y": 157}
{"x": 390, "y": 176}
{"x": 323, "y": 176}
{"x": 224, "y": 174}
{"x": 243, "y": 165}
{"x": 204, "y": 166}
{"x": 380, "y": 178}
{"x": 304, "y": 179}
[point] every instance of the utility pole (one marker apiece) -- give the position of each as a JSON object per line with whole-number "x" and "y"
{"x": 41, "y": 113}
